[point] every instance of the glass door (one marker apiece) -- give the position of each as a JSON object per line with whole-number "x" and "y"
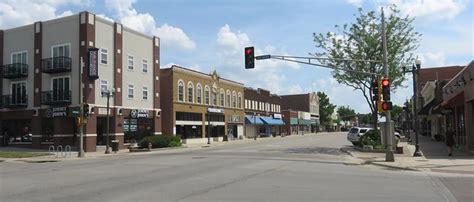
{"x": 18, "y": 93}
{"x": 61, "y": 89}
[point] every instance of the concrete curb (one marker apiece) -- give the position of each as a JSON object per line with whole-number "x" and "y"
{"x": 393, "y": 166}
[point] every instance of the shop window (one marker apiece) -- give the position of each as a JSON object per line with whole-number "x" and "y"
{"x": 206, "y": 95}
{"x": 199, "y": 93}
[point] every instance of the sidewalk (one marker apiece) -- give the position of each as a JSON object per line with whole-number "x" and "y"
{"x": 435, "y": 158}
{"x": 91, "y": 155}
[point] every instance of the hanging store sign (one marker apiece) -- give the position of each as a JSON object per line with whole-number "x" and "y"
{"x": 56, "y": 112}
{"x": 235, "y": 119}
{"x": 93, "y": 63}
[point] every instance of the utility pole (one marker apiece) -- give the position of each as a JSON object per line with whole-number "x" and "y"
{"x": 389, "y": 157}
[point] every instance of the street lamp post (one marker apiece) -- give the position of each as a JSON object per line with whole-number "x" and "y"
{"x": 255, "y": 122}
{"x": 208, "y": 128}
{"x": 414, "y": 70}
{"x": 109, "y": 93}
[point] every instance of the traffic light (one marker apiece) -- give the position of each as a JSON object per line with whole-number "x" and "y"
{"x": 375, "y": 90}
{"x": 386, "y": 106}
{"x": 386, "y": 89}
{"x": 86, "y": 110}
{"x": 249, "y": 58}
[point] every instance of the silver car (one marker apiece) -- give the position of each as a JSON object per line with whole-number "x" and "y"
{"x": 355, "y": 133}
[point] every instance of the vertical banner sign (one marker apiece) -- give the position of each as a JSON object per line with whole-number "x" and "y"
{"x": 93, "y": 63}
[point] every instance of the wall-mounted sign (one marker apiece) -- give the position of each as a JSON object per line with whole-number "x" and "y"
{"x": 103, "y": 111}
{"x": 56, "y": 112}
{"x": 93, "y": 63}
{"x": 215, "y": 110}
{"x": 277, "y": 116}
{"x": 136, "y": 113}
{"x": 235, "y": 119}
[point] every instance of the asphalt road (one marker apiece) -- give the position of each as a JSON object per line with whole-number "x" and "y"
{"x": 303, "y": 168}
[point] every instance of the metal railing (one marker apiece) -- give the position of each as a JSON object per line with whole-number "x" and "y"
{"x": 15, "y": 70}
{"x": 56, "y": 64}
{"x": 55, "y": 97}
{"x": 15, "y": 100}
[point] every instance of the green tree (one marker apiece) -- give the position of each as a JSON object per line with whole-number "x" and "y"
{"x": 365, "y": 119}
{"x": 361, "y": 40}
{"x": 346, "y": 113}
{"x": 325, "y": 109}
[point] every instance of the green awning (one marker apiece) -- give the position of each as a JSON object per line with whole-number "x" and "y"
{"x": 293, "y": 121}
{"x": 304, "y": 122}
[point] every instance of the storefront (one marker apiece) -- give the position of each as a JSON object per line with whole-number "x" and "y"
{"x": 235, "y": 127}
{"x": 458, "y": 102}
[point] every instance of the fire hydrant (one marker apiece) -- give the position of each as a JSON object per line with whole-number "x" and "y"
{"x": 149, "y": 146}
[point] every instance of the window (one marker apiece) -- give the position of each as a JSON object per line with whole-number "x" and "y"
{"x": 206, "y": 94}
{"x": 145, "y": 93}
{"x": 20, "y": 57}
{"x": 234, "y": 99}
{"x": 103, "y": 56}
{"x": 239, "y": 100}
{"x": 222, "y": 97}
{"x": 190, "y": 92}
{"x": 246, "y": 104}
{"x": 181, "y": 91}
{"x": 145, "y": 66}
{"x": 60, "y": 89}
{"x": 103, "y": 86}
{"x": 61, "y": 50}
{"x": 130, "y": 91}
{"x": 130, "y": 62}
{"x": 227, "y": 103}
{"x": 199, "y": 93}
{"x": 254, "y": 107}
{"x": 214, "y": 98}
{"x": 18, "y": 93}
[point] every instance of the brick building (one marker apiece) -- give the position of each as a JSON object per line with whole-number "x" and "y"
{"x": 262, "y": 113}
{"x": 42, "y": 85}
{"x": 309, "y": 103}
{"x": 196, "y": 103}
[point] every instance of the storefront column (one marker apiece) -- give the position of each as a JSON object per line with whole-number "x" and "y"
{"x": 203, "y": 128}
{"x": 90, "y": 134}
{"x": 36, "y": 131}
{"x": 469, "y": 118}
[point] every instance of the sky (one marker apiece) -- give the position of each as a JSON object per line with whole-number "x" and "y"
{"x": 211, "y": 34}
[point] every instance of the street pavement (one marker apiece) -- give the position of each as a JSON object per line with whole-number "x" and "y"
{"x": 294, "y": 168}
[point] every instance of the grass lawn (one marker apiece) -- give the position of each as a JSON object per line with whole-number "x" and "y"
{"x": 14, "y": 154}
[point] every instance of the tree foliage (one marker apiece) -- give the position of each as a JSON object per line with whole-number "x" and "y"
{"x": 346, "y": 113}
{"x": 362, "y": 40}
{"x": 325, "y": 109}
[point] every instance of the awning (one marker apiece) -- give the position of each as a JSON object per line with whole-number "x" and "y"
{"x": 304, "y": 122}
{"x": 272, "y": 121}
{"x": 426, "y": 110}
{"x": 254, "y": 120}
{"x": 293, "y": 121}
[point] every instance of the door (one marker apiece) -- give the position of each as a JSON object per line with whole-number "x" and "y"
{"x": 61, "y": 89}
{"x": 18, "y": 93}
{"x": 59, "y": 53}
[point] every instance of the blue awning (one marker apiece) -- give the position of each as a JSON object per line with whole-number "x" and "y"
{"x": 272, "y": 121}
{"x": 253, "y": 120}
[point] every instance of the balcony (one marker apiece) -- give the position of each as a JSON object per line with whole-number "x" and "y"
{"x": 15, "y": 70}
{"x": 15, "y": 101}
{"x": 56, "y": 97}
{"x": 56, "y": 65}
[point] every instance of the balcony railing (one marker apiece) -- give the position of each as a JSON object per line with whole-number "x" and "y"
{"x": 14, "y": 101}
{"x": 15, "y": 70}
{"x": 56, "y": 64}
{"x": 56, "y": 97}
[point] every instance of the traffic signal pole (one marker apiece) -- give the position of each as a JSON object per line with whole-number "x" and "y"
{"x": 389, "y": 157}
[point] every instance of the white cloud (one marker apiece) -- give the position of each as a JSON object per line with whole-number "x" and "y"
{"x": 433, "y": 59}
{"x": 357, "y": 3}
{"x": 172, "y": 37}
{"x": 14, "y": 13}
{"x": 295, "y": 89}
{"x": 230, "y": 62}
{"x": 431, "y": 9}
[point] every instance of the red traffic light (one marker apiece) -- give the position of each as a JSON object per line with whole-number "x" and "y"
{"x": 249, "y": 58}
{"x": 386, "y": 106}
{"x": 385, "y": 82}
{"x": 248, "y": 51}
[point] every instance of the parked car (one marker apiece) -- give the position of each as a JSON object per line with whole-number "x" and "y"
{"x": 355, "y": 133}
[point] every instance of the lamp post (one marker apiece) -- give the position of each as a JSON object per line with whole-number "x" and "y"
{"x": 255, "y": 122}
{"x": 109, "y": 93}
{"x": 208, "y": 128}
{"x": 414, "y": 70}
